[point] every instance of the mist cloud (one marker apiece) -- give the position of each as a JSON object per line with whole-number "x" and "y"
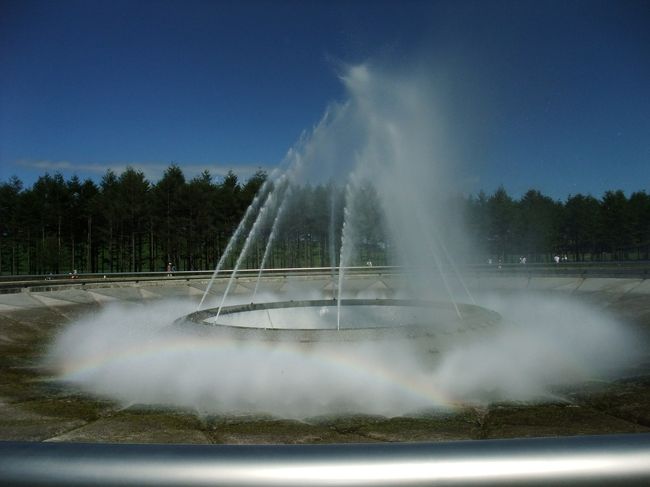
{"x": 133, "y": 355}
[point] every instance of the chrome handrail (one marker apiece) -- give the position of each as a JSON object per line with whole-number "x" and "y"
{"x": 583, "y": 460}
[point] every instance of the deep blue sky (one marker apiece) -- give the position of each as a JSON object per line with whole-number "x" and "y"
{"x": 549, "y": 95}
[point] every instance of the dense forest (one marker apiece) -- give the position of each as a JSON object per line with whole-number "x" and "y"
{"x": 128, "y": 224}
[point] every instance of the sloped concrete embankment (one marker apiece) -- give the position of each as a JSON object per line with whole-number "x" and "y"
{"x": 34, "y": 408}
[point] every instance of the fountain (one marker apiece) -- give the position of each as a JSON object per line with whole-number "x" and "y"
{"x": 418, "y": 340}
{"x": 385, "y": 135}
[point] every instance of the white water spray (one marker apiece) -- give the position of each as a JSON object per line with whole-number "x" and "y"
{"x": 130, "y": 354}
{"x": 274, "y": 230}
{"x": 261, "y": 218}
{"x": 250, "y": 211}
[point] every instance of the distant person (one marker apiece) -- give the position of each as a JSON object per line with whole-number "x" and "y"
{"x": 556, "y": 258}
{"x": 169, "y": 269}
{"x": 523, "y": 260}
{"x": 489, "y": 261}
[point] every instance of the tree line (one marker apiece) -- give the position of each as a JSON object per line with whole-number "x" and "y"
{"x": 125, "y": 223}
{"x": 583, "y": 227}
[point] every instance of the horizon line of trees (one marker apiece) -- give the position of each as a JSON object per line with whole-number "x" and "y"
{"x": 123, "y": 224}
{"x": 128, "y": 224}
{"x": 610, "y": 228}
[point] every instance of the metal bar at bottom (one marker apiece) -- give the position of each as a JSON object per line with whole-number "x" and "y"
{"x": 585, "y": 460}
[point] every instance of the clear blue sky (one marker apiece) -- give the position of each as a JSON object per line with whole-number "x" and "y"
{"x": 549, "y": 95}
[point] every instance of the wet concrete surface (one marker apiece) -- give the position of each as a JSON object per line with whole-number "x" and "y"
{"x": 35, "y": 407}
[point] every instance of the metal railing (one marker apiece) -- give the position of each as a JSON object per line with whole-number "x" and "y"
{"x": 629, "y": 270}
{"x": 13, "y": 284}
{"x": 586, "y": 460}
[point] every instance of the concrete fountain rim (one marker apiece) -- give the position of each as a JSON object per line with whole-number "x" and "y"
{"x": 474, "y": 318}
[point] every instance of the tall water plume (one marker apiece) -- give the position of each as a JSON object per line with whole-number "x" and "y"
{"x": 389, "y": 134}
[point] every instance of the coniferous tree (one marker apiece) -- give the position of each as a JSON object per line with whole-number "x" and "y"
{"x": 537, "y": 226}
{"x": 133, "y": 191}
{"x": 10, "y": 225}
{"x": 88, "y": 201}
{"x": 501, "y": 218}
{"x": 639, "y": 214}
{"x": 108, "y": 206}
{"x": 201, "y": 194}
{"x": 614, "y": 223}
{"x": 580, "y": 226}
{"x": 169, "y": 209}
